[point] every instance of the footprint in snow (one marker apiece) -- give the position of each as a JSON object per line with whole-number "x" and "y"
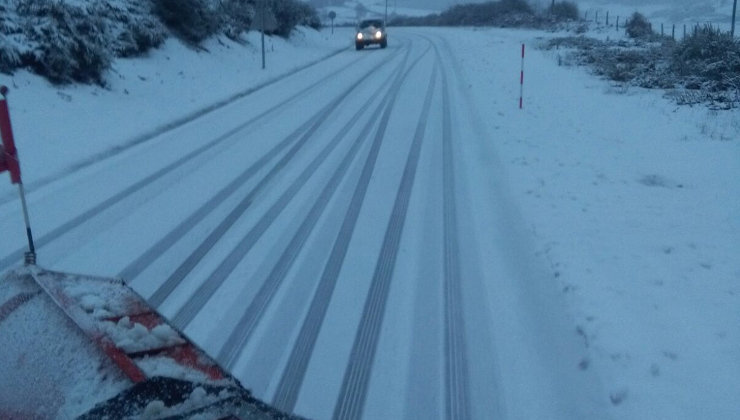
{"x": 658, "y": 181}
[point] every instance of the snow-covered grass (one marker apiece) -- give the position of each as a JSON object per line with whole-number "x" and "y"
{"x": 632, "y": 200}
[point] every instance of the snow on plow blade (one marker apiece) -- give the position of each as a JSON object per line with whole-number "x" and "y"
{"x": 90, "y": 347}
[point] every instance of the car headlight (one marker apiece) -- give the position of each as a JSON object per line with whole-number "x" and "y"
{"x": 378, "y": 35}
{"x": 359, "y": 35}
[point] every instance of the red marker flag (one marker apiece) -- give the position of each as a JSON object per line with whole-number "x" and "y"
{"x": 8, "y": 153}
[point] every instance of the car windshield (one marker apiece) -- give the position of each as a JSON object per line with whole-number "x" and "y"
{"x": 368, "y": 23}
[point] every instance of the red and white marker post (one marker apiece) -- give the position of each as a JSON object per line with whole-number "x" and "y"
{"x": 9, "y": 162}
{"x": 521, "y": 80}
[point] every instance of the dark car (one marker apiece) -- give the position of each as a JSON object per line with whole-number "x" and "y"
{"x": 371, "y": 31}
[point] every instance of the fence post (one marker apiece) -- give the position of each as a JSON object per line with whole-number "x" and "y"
{"x": 661, "y": 29}
{"x": 673, "y": 32}
{"x": 521, "y": 81}
{"x": 607, "y": 18}
{"x": 596, "y": 19}
{"x": 617, "y": 24}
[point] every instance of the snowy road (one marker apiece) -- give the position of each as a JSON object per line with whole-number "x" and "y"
{"x": 329, "y": 239}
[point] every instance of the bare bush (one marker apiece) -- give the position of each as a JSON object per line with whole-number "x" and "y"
{"x": 637, "y": 26}
{"x": 711, "y": 54}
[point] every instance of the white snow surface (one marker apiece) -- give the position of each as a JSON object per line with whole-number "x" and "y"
{"x": 49, "y": 368}
{"x": 618, "y": 216}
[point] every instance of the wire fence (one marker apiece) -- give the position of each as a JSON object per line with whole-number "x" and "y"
{"x": 677, "y": 31}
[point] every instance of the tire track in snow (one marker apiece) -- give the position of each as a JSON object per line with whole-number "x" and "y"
{"x": 158, "y": 131}
{"x": 209, "y": 287}
{"x": 292, "y": 378}
{"x": 457, "y": 400}
{"x": 247, "y": 323}
{"x": 239, "y": 337}
{"x": 299, "y": 137}
{"x": 353, "y": 392}
{"x": 151, "y": 254}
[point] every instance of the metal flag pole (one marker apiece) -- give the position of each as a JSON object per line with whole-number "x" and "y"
{"x": 9, "y": 161}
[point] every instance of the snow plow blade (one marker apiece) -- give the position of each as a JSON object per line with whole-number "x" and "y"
{"x": 141, "y": 367}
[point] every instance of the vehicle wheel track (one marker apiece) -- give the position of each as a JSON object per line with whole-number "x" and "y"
{"x": 209, "y": 287}
{"x": 150, "y": 255}
{"x": 353, "y": 392}
{"x": 457, "y": 404}
{"x": 249, "y": 321}
{"x": 143, "y": 138}
{"x": 16, "y": 256}
{"x": 290, "y": 382}
{"x": 299, "y": 137}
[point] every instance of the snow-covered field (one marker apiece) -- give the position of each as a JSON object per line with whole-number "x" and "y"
{"x": 629, "y": 202}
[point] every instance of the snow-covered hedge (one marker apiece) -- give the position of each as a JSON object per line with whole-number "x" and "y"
{"x": 68, "y": 44}
{"x": 711, "y": 55}
{"x": 637, "y": 26}
{"x": 191, "y": 20}
{"x": 503, "y": 13}
{"x": 76, "y": 40}
{"x": 237, "y": 16}
{"x": 565, "y": 10}
{"x": 290, "y": 13}
{"x": 703, "y": 68}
